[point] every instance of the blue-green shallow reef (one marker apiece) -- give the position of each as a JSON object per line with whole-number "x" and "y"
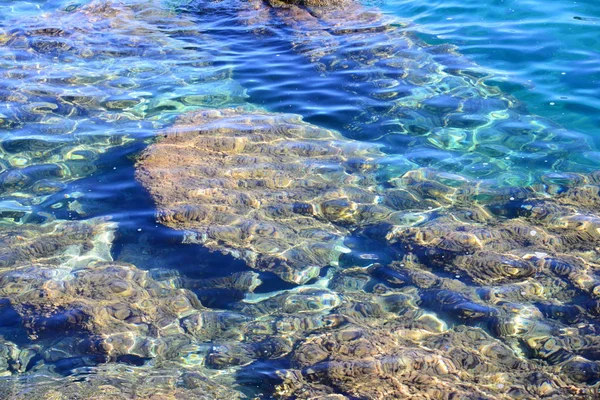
{"x": 481, "y": 282}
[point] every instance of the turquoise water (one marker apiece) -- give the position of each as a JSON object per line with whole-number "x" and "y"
{"x": 428, "y": 214}
{"x": 540, "y": 52}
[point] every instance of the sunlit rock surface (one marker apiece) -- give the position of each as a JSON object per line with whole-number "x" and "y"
{"x": 377, "y": 332}
{"x": 122, "y": 382}
{"x": 515, "y": 266}
{"x": 268, "y": 188}
{"x": 71, "y": 308}
{"x": 60, "y": 278}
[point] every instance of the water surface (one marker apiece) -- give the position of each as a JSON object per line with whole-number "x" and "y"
{"x": 463, "y": 238}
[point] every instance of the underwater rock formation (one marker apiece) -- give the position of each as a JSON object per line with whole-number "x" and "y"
{"x": 401, "y": 326}
{"x": 59, "y": 244}
{"x": 62, "y": 280}
{"x": 530, "y": 265}
{"x": 518, "y": 263}
{"x": 355, "y": 362}
{"x": 268, "y": 188}
{"x": 390, "y": 340}
{"x": 282, "y": 194}
{"x": 121, "y": 309}
{"x": 309, "y": 3}
{"x": 80, "y": 310}
{"x": 491, "y": 291}
{"x": 13, "y": 359}
{"x": 123, "y": 382}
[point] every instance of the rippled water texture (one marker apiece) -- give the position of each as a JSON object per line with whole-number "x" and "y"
{"x": 299, "y": 199}
{"x": 543, "y": 53}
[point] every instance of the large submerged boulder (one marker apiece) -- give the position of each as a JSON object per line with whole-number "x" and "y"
{"x": 268, "y": 188}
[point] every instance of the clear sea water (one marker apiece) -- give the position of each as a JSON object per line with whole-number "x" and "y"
{"x": 544, "y": 53}
{"x": 83, "y": 93}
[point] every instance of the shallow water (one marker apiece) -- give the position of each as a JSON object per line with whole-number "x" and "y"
{"x": 544, "y": 54}
{"x": 433, "y": 217}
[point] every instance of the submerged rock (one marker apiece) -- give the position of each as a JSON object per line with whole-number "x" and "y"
{"x": 73, "y": 309}
{"x": 122, "y": 382}
{"x": 483, "y": 299}
{"x": 308, "y": 3}
{"x": 121, "y": 307}
{"x": 366, "y": 339}
{"x": 387, "y": 363}
{"x": 58, "y": 245}
{"x": 268, "y": 188}
{"x": 515, "y": 261}
{"x": 14, "y": 359}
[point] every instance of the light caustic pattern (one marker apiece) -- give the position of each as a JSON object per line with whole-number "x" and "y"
{"x": 489, "y": 288}
{"x": 81, "y": 81}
